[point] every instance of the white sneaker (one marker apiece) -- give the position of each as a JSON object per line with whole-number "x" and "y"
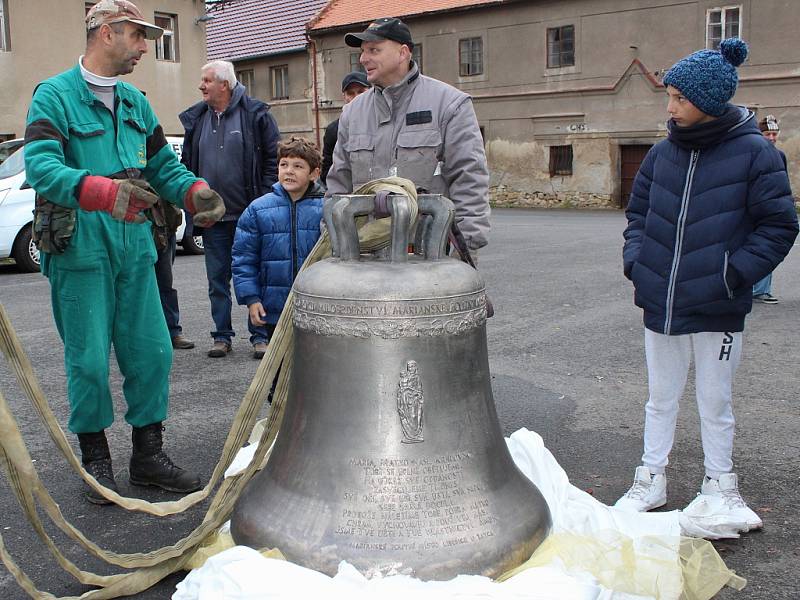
{"x": 648, "y": 491}
{"x": 727, "y": 487}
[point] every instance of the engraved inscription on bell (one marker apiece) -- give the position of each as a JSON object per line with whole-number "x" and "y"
{"x": 410, "y": 403}
{"x": 389, "y": 318}
{"x": 415, "y": 504}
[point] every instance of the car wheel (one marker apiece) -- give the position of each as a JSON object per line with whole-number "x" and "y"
{"x": 192, "y": 244}
{"x": 25, "y": 253}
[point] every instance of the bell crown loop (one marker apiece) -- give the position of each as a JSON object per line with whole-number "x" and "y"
{"x": 427, "y": 221}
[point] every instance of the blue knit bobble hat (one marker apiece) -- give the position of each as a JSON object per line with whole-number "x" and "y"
{"x": 708, "y": 78}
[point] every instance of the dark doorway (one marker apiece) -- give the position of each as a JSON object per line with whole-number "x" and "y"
{"x": 631, "y": 156}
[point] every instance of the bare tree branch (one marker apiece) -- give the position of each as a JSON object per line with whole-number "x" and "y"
{"x": 215, "y": 5}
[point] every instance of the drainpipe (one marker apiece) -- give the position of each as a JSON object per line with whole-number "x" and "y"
{"x": 315, "y": 106}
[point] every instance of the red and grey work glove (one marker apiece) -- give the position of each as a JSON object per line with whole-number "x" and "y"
{"x": 124, "y": 199}
{"x": 204, "y": 204}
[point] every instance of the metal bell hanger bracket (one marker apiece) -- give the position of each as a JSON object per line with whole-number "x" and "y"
{"x": 430, "y": 219}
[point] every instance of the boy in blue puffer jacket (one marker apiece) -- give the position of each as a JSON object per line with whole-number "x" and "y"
{"x": 275, "y": 234}
{"x": 710, "y": 214}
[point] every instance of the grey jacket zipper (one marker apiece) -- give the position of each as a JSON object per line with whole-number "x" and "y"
{"x": 680, "y": 228}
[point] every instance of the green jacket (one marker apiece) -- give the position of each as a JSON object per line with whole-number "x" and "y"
{"x": 71, "y": 134}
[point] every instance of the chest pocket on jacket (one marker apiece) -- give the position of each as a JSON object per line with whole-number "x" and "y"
{"x": 86, "y": 144}
{"x": 86, "y": 130}
{"x": 134, "y": 139}
{"x": 417, "y": 156}
{"x": 361, "y": 149}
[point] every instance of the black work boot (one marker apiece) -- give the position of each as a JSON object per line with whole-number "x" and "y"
{"x": 151, "y": 466}
{"x": 96, "y": 460}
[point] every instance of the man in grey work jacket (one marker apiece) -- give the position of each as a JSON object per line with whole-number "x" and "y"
{"x": 411, "y": 126}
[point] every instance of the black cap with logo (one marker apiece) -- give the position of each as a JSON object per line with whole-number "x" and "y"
{"x": 387, "y": 28}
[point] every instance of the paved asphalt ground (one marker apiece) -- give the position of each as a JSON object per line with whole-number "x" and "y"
{"x": 567, "y": 359}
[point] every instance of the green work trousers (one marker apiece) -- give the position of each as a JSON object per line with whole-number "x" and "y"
{"x": 103, "y": 291}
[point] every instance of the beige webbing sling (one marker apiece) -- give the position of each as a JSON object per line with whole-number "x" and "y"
{"x": 155, "y": 565}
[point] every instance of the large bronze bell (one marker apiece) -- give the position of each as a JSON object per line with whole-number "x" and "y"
{"x": 390, "y": 454}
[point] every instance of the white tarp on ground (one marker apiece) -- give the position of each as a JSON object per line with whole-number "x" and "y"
{"x": 595, "y": 552}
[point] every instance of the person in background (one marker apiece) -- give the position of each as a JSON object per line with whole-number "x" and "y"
{"x": 762, "y": 291}
{"x": 711, "y": 213}
{"x": 276, "y": 233}
{"x": 166, "y": 246}
{"x": 93, "y": 149}
{"x": 353, "y": 84}
{"x": 231, "y": 141}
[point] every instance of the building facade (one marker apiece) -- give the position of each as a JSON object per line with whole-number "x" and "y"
{"x": 45, "y": 37}
{"x": 568, "y": 94}
{"x": 266, "y": 40}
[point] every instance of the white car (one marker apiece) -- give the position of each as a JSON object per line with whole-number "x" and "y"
{"x": 17, "y": 201}
{"x": 8, "y": 148}
{"x": 16, "y": 214}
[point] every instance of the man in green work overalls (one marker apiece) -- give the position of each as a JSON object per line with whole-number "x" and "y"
{"x": 97, "y": 157}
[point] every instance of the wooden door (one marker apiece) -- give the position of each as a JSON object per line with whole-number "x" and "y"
{"x": 631, "y": 156}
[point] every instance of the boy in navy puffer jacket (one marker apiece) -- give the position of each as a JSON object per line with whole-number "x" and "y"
{"x": 275, "y": 234}
{"x": 711, "y": 213}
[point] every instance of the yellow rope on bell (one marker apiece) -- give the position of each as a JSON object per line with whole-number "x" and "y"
{"x": 155, "y": 565}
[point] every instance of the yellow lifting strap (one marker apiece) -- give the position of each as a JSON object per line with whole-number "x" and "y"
{"x": 155, "y": 565}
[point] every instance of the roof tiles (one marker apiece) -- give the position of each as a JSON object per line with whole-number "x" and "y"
{"x": 340, "y": 13}
{"x": 250, "y": 28}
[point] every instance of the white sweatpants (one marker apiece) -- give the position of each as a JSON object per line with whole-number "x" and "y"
{"x": 716, "y": 357}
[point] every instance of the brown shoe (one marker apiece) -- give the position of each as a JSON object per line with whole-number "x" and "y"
{"x": 259, "y": 350}
{"x": 181, "y": 343}
{"x": 219, "y": 349}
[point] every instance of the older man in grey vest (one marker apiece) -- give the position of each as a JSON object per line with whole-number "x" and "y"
{"x": 412, "y": 126}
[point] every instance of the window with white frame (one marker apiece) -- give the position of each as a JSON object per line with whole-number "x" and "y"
{"x": 5, "y": 40}
{"x": 167, "y": 44}
{"x": 246, "y": 77}
{"x": 470, "y": 56}
{"x": 723, "y": 23}
{"x": 279, "y": 77}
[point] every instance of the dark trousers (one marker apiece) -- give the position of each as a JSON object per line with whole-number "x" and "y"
{"x": 168, "y": 294}
{"x": 218, "y": 244}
